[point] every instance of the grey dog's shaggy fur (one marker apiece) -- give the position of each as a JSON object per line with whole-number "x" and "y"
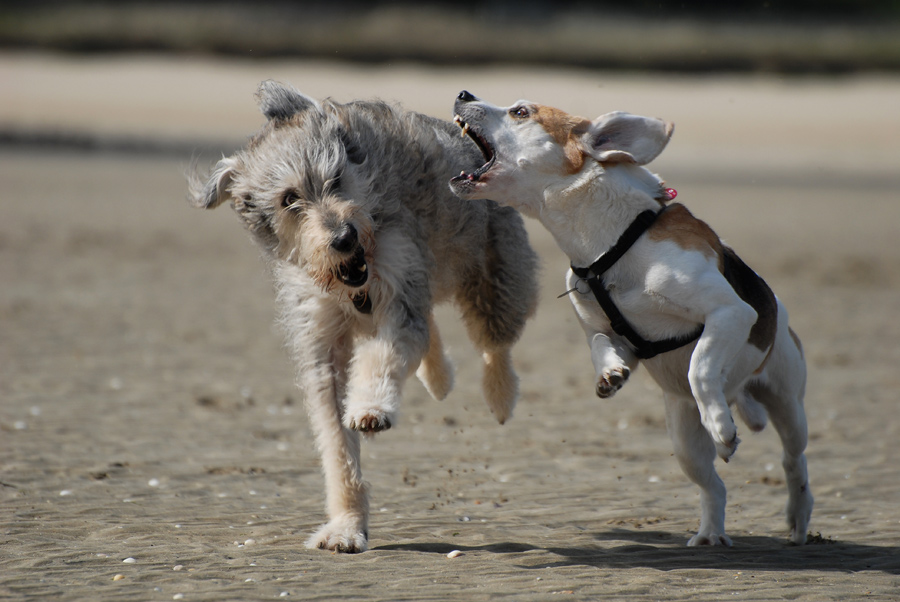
{"x": 351, "y": 205}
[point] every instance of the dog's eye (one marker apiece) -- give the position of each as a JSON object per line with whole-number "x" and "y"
{"x": 289, "y": 198}
{"x": 520, "y": 112}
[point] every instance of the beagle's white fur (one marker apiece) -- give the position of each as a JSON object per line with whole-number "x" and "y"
{"x": 585, "y": 181}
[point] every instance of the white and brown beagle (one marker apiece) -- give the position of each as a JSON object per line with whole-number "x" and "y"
{"x": 651, "y": 283}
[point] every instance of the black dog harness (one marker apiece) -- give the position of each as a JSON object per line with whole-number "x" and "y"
{"x": 593, "y": 275}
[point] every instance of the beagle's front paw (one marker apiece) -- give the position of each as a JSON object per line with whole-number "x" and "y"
{"x": 709, "y": 538}
{"x": 720, "y": 426}
{"x": 611, "y": 381}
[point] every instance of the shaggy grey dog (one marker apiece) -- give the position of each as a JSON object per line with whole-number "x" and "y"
{"x": 351, "y": 205}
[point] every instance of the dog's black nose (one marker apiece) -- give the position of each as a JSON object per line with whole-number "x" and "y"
{"x": 465, "y": 96}
{"x": 344, "y": 239}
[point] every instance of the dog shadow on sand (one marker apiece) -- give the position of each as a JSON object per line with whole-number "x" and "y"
{"x": 666, "y": 551}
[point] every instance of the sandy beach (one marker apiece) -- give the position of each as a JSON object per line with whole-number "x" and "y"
{"x": 153, "y": 445}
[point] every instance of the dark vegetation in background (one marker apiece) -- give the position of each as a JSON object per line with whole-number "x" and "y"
{"x": 803, "y": 36}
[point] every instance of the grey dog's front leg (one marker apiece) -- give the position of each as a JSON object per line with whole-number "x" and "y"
{"x": 382, "y": 362}
{"x": 316, "y": 329}
{"x": 346, "y": 495}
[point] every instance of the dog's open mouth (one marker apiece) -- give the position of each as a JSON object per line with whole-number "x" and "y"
{"x": 354, "y": 272}
{"x": 483, "y": 145}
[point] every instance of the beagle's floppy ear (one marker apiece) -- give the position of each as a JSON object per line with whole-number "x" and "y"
{"x": 277, "y": 101}
{"x": 620, "y": 137}
{"x": 215, "y": 191}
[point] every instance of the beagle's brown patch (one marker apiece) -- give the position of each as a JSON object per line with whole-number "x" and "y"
{"x": 679, "y": 225}
{"x": 565, "y": 130}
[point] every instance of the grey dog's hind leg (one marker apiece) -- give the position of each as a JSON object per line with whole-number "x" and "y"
{"x": 436, "y": 370}
{"x": 498, "y": 297}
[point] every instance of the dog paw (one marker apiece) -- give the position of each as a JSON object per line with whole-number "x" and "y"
{"x": 726, "y": 450}
{"x": 704, "y": 538}
{"x": 611, "y": 381}
{"x": 500, "y": 385}
{"x": 345, "y": 536}
{"x": 372, "y": 421}
{"x": 799, "y": 511}
{"x": 724, "y": 434}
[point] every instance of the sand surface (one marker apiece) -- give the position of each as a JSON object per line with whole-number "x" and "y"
{"x": 153, "y": 446}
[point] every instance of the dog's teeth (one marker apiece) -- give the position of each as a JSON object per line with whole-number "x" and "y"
{"x": 465, "y": 129}
{"x": 462, "y": 174}
{"x": 363, "y": 268}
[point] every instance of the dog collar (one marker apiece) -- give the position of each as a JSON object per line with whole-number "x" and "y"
{"x": 593, "y": 275}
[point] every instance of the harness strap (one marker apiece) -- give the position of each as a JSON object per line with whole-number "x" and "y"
{"x": 593, "y": 275}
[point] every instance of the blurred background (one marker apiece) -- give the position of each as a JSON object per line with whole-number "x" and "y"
{"x": 136, "y": 334}
{"x": 775, "y": 40}
{"x": 787, "y": 36}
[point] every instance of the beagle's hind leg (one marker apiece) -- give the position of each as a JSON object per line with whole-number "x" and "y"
{"x": 696, "y": 453}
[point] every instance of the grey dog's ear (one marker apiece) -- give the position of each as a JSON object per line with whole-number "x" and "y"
{"x": 620, "y": 137}
{"x": 277, "y": 101}
{"x": 215, "y": 191}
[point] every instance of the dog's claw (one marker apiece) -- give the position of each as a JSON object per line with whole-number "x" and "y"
{"x": 370, "y": 424}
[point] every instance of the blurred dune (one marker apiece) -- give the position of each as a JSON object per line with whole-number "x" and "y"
{"x": 794, "y": 36}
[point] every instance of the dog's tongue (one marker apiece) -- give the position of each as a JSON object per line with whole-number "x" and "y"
{"x": 475, "y": 175}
